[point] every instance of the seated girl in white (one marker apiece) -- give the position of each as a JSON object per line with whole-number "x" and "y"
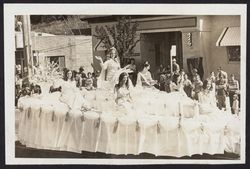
{"x": 144, "y": 77}
{"x": 122, "y": 89}
{"x": 207, "y": 98}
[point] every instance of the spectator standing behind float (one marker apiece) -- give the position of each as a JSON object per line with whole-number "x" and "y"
{"x": 235, "y": 105}
{"x": 132, "y": 67}
{"x": 168, "y": 83}
{"x": 197, "y": 84}
{"x": 195, "y": 75}
{"x": 89, "y": 82}
{"x": 233, "y": 88}
{"x": 212, "y": 78}
{"x": 221, "y": 87}
{"x": 83, "y": 75}
{"x": 25, "y": 79}
{"x": 221, "y": 73}
{"x": 162, "y": 82}
{"x": 176, "y": 67}
{"x": 187, "y": 86}
{"x": 78, "y": 79}
{"x": 182, "y": 74}
{"x": 94, "y": 77}
{"x": 18, "y": 87}
{"x": 159, "y": 72}
{"x": 19, "y": 70}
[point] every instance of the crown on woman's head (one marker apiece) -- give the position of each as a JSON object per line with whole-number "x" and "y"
{"x": 112, "y": 48}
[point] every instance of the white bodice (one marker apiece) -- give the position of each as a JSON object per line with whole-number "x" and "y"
{"x": 112, "y": 67}
{"x": 122, "y": 95}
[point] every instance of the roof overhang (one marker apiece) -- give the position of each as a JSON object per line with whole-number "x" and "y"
{"x": 230, "y": 36}
{"x": 113, "y": 18}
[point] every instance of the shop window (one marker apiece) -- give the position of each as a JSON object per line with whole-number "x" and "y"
{"x": 59, "y": 60}
{"x": 233, "y": 53}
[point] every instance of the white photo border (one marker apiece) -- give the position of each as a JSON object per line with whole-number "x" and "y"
{"x": 10, "y": 10}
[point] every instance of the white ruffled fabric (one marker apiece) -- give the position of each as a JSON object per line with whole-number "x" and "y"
{"x": 160, "y": 125}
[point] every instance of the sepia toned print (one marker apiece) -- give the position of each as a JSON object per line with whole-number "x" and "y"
{"x": 130, "y": 86}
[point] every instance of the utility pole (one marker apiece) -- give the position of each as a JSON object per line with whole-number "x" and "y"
{"x": 172, "y": 53}
{"x": 27, "y": 45}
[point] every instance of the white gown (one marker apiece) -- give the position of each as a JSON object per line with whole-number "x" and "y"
{"x": 61, "y": 127}
{"x": 123, "y": 101}
{"x": 207, "y": 102}
{"x": 109, "y": 72}
{"x": 71, "y": 95}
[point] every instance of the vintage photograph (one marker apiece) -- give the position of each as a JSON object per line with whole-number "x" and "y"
{"x": 128, "y": 86}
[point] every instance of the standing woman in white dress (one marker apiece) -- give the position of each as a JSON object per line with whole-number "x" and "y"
{"x": 109, "y": 69}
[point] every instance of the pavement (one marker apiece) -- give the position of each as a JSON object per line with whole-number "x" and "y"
{"x": 22, "y": 151}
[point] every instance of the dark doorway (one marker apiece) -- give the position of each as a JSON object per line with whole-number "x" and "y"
{"x": 155, "y": 48}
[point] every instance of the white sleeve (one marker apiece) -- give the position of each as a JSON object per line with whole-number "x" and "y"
{"x": 105, "y": 65}
{"x": 138, "y": 81}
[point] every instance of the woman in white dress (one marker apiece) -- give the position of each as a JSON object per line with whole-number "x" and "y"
{"x": 71, "y": 95}
{"x": 109, "y": 68}
{"x": 122, "y": 93}
{"x": 122, "y": 89}
{"x": 207, "y": 98}
{"x": 177, "y": 83}
{"x": 144, "y": 78}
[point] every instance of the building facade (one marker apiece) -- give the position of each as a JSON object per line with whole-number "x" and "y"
{"x": 67, "y": 51}
{"x": 193, "y": 40}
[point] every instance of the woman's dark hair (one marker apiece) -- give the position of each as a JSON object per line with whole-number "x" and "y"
{"x": 81, "y": 69}
{"x": 175, "y": 78}
{"x": 145, "y": 64}
{"x": 37, "y": 89}
{"x": 205, "y": 84}
{"x": 66, "y": 75}
{"x": 89, "y": 73}
{"x": 65, "y": 70}
{"x": 122, "y": 75}
{"x": 132, "y": 59}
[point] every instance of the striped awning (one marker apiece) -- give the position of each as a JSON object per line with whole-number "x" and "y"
{"x": 230, "y": 36}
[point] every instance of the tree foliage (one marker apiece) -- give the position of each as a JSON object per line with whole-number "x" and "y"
{"x": 54, "y": 24}
{"x": 58, "y": 24}
{"x": 122, "y": 36}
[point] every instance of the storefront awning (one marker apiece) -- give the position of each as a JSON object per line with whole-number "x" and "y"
{"x": 230, "y": 36}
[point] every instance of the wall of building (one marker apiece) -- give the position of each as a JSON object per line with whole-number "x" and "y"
{"x": 204, "y": 37}
{"x": 219, "y": 54}
{"x": 192, "y": 51}
{"x": 204, "y": 40}
{"x": 76, "y": 49}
